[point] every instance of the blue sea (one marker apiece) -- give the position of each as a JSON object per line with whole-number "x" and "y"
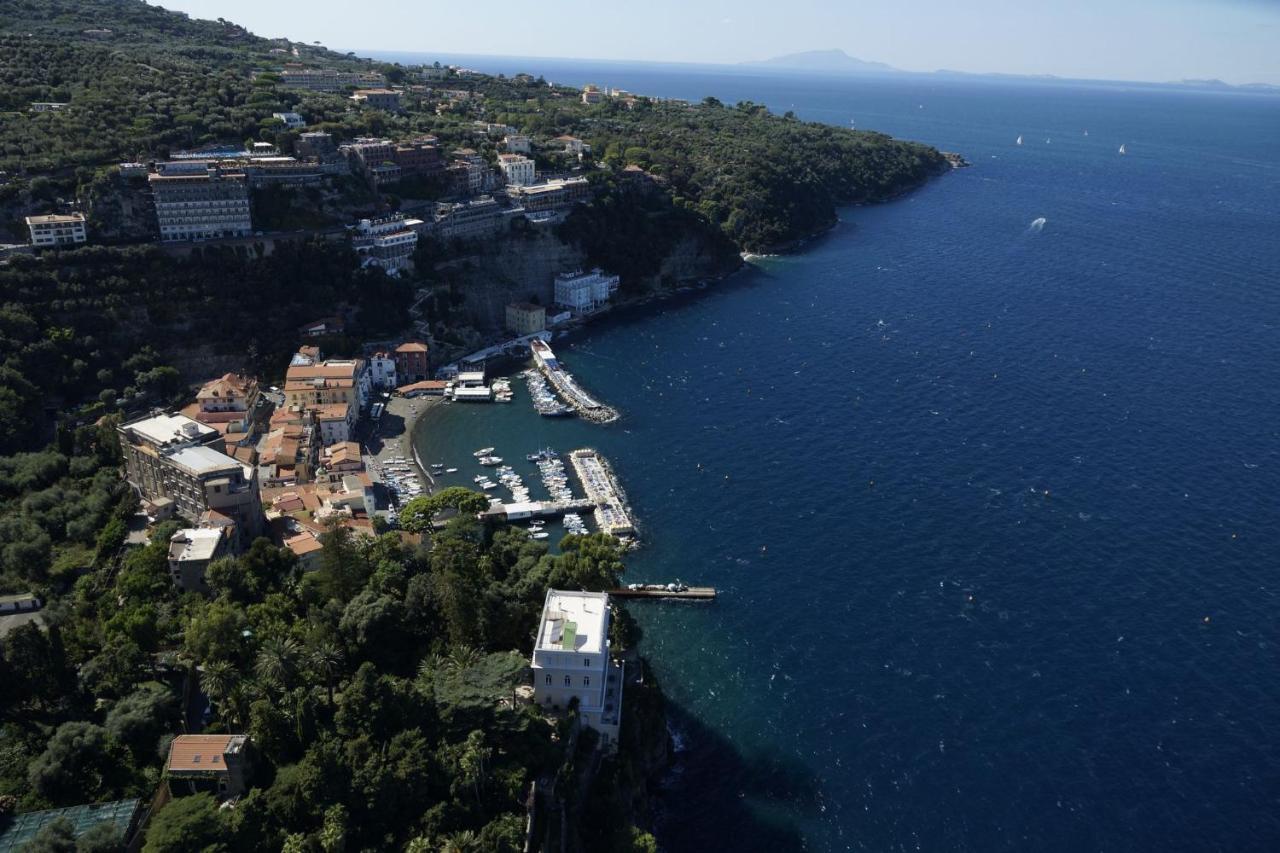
{"x": 988, "y": 478}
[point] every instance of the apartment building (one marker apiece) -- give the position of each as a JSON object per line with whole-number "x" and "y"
{"x": 413, "y": 361}
{"x": 309, "y": 382}
{"x": 466, "y": 220}
{"x": 293, "y": 121}
{"x": 553, "y": 195}
{"x": 178, "y": 466}
{"x": 382, "y": 370}
{"x": 379, "y": 99}
{"x": 516, "y": 144}
{"x": 585, "y": 292}
{"x": 57, "y": 230}
{"x": 326, "y": 80}
{"x": 517, "y": 170}
{"x": 387, "y": 243}
{"x": 571, "y": 661}
{"x": 192, "y": 550}
{"x": 525, "y": 318}
{"x": 198, "y": 201}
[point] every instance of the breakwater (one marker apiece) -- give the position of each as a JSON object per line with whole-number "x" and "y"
{"x": 568, "y": 389}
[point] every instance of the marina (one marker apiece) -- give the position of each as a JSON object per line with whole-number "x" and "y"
{"x": 568, "y": 389}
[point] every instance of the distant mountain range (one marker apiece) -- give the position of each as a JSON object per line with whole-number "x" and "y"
{"x": 823, "y": 60}
{"x": 836, "y": 61}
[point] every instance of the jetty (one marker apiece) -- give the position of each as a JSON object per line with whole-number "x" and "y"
{"x": 695, "y": 593}
{"x": 612, "y": 515}
{"x": 567, "y": 387}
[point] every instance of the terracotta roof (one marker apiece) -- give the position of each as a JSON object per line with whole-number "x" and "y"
{"x": 227, "y": 385}
{"x": 200, "y": 752}
{"x": 333, "y": 411}
{"x": 412, "y": 346}
{"x": 303, "y": 544}
{"x": 324, "y": 370}
{"x": 343, "y": 451}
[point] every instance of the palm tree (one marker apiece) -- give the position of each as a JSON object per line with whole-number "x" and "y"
{"x": 462, "y": 658}
{"x": 461, "y": 842}
{"x": 326, "y": 658}
{"x": 277, "y": 661}
{"x": 217, "y": 680}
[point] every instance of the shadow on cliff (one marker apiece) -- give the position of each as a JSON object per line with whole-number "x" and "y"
{"x": 717, "y": 797}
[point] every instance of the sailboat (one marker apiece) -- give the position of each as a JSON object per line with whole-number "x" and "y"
{"x": 1122, "y": 148}
{"x": 1086, "y": 133}
{"x": 1019, "y": 139}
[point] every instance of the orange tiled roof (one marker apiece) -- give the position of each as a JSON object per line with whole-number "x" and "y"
{"x": 199, "y": 752}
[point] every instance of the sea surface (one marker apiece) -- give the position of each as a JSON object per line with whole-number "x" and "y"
{"x": 988, "y": 478}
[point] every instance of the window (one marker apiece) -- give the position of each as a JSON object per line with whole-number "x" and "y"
{"x": 566, "y": 681}
{"x": 586, "y": 661}
{"x": 586, "y": 681}
{"x": 548, "y": 678}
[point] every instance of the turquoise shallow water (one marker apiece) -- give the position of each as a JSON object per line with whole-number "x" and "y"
{"x": 992, "y": 507}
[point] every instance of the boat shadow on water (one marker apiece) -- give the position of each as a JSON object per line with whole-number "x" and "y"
{"x": 717, "y": 797}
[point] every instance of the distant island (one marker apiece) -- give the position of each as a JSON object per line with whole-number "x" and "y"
{"x": 836, "y": 61}
{"x": 825, "y": 60}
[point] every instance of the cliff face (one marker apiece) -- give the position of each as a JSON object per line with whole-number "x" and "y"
{"x": 522, "y": 266}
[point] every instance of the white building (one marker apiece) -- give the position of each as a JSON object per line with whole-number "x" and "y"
{"x": 516, "y": 169}
{"x": 293, "y": 121}
{"x": 571, "y": 660}
{"x": 387, "y": 243}
{"x": 190, "y": 553}
{"x": 516, "y": 143}
{"x": 582, "y": 292}
{"x": 201, "y": 204}
{"x": 382, "y": 370}
{"x": 57, "y": 230}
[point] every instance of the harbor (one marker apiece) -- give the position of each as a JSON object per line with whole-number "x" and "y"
{"x": 566, "y": 387}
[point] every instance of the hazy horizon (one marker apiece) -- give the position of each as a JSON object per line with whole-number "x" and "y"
{"x": 1139, "y": 40}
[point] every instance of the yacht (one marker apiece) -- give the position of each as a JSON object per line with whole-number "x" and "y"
{"x": 490, "y": 460}
{"x": 451, "y": 470}
{"x": 484, "y": 451}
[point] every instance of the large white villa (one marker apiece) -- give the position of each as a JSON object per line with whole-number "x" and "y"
{"x": 571, "y": 660}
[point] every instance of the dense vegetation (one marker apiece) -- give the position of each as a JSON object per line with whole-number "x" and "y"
{"x": 378, "y": 690}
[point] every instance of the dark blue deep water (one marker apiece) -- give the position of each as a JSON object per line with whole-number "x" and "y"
{"x": 993, "y": 508}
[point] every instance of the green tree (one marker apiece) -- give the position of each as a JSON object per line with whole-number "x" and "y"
{"x": 186, "y": 824}
{"x": 80, "y": 764}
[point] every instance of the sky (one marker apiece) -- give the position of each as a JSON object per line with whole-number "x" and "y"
{"x": 1145, "y": 40}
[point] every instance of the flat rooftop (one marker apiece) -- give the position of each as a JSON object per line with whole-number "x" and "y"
{"x": 573, "y": 622}
{"x": 162, "y": 429}
{"x": 194, "y": 544}
{"x": 203, "y": 460}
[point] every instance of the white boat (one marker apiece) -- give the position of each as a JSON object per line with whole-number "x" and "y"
{"x": 451, "y": 470}
{"x": 490, "y": 460}
{"x": 484, "y": 451}
{"x": 540, "y": 535}
{"x": 1019, "y": 142}
{"x": 1121, "y": 149}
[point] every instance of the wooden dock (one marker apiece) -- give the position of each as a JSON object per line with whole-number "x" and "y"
{"x": 696, "y": 593}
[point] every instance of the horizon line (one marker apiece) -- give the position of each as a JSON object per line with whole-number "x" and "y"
{"x": 766, "y": 65}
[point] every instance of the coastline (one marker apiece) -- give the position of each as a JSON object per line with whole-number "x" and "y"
{"x": 399, "y": 424}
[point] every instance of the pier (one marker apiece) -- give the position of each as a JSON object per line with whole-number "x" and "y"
{"x": 567, "y": 387}
{"x": 612, "y": 515}
{"x": 695, "y": 593}
{"x": 537, "y": 509}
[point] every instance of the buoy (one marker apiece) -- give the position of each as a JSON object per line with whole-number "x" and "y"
{"x": 1206, "y": 620}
